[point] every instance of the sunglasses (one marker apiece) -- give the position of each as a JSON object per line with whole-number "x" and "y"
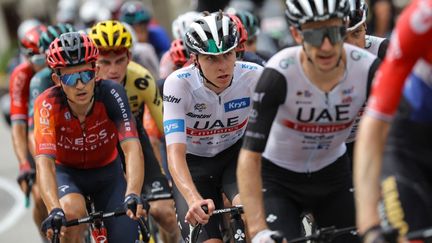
{"x": 72, "y": 79}
{"x": 315, "y": 37}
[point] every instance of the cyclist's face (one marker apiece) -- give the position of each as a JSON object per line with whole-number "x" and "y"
{"x": 357, "y": 37}
{"x": 113, "y": 66}
{"x": 80, "y": 93}
{"x": 322, "y": 42}
{"x": 218, "y": 69}
{"x": 141, "y": 31}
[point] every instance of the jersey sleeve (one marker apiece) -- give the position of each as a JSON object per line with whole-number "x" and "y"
{"x": 269, "y": 93}
{"x": 38, "y": 84}
{"x": 175, "y": 101}
{"x": 414, "y": 30}
{"x": 19, "y": 94}
{"x": 153, "y": 100}
{"x": 117, "y": 106}
{"x": 44, "y": 127}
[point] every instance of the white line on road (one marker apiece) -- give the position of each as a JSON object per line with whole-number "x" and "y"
{"x": 17, "y": 210}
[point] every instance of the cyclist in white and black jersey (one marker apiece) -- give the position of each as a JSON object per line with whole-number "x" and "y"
{"x": 356, "y": 34}
{"x": 206, "y": 110}
{"x": 304, "y": 106}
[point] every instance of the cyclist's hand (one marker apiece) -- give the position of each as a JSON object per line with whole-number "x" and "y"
{"x": 48, "y": 225}
{"x": 376, "y": 234}
{"x": 134, "y": 206}
{"x": 196, "y": 214}
{"x": 26, "y": 174}
{"x": 268, "y": 236}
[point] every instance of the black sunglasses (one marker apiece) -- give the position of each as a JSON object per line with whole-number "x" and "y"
{"x": 315, "y": 37}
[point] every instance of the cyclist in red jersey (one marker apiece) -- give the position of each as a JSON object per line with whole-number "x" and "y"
{"x": 19, "y": 95}
{"x": 74, "y": 122}
{"x": 394, "y": 135}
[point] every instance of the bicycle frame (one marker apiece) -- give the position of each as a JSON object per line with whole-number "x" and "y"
{"x": 325, "y": 235}
{"x": 237, "y": 224}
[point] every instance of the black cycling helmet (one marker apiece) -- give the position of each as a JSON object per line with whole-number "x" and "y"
{"x": 52, "y": 32}
{"x": 358, "y": 13}
{"x": 302, "y": 11}
{"x": 214, "y": 34}
{"x": 250, "y": 22}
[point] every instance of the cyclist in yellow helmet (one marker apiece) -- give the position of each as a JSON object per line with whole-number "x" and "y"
{"x": 114, "y": 42}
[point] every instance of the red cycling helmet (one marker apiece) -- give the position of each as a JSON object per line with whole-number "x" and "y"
{"x": 243, "y": 33}
{"x": 178, "y": 53}
{"x": 71, "y": 49}
{"x": 29, "y": 44}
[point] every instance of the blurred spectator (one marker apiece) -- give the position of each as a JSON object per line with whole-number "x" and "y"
{"x": 383, "y": 14}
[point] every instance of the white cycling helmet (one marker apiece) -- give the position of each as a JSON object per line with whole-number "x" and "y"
{"x": 214, "y": 34}
{"x": 302, "y": 11}
{"x": 181, "y": 24}
{"x": 25, "y": 26}
{"x": 93, "y": 11}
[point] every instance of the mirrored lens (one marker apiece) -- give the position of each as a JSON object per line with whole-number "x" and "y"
{"x": 316, "y": 37}
{"x": 72, "y": 79}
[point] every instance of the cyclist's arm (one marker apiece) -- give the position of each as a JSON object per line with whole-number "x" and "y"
{"x": 46, "y": 179}
{"x": 175, "y": 134}
{"x": 134, "y": 165}
{"x": 269, "y": 94}
{"x": 367, "y": 168}
{"x": 179, "y": 170}
{"x": 45, "y": 140}
{"x": 119, "y": 112}
{"x": 402, "y": 54}
{"x": 19, "y": 140}
{"x": 18, "y": 109}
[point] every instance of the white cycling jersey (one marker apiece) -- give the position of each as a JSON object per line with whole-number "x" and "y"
{"x": 207, "y": 122}
{"x": 376, "y": 45}
{"x": 309, "y": 127}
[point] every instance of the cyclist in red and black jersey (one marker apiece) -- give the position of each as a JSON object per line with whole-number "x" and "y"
{"x": 19, "y": 98}
{"x": 394, "y": 135}
{"x": 74, "y": 121}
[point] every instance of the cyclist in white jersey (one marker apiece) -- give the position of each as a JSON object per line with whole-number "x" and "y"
{"x": 206, "y": 110}
{"x": 356, "y": 35}
{"x": 304, "y": 106}
{"x": 357, "y": 30}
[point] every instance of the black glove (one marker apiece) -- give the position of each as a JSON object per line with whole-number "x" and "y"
{"x": 26, "y": 173}
{"x": 49, "y": 223}
{"x": 376, "y": 234}
{"x": 131, "y": 202}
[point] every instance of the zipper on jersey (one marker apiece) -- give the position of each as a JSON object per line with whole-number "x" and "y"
{"x": 312, "y": 154}
{"x": 83, "y": 131}
{"x": 219, "y": 100}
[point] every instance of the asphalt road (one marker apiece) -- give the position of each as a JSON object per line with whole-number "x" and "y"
{"x": 16, "y": 223}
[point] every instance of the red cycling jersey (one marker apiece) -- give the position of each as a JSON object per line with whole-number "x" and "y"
{"x": 19, "y": 91}
{"x": 410, "y": 47}
{"x": 93, "y": 144}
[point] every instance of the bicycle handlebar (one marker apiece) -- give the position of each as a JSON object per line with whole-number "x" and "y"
{"x": 420, "y": 234}
{"x": 325, "y": 234}
{"x": 96, "y": 215}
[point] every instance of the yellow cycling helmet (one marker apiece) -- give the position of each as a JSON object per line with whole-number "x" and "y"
{"x": 111, "y": 34}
